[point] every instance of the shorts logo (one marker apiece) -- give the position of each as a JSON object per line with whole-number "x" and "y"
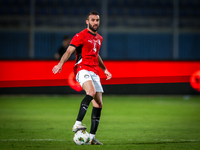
{"x": 86, "y": 76}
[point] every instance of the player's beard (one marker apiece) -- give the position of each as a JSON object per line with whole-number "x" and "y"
{"x": 93, "y": 29}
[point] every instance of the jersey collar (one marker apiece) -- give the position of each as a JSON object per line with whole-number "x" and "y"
{"x": 91, "y": 33}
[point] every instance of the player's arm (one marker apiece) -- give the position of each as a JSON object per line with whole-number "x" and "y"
{"x": 103, "y": 67}
{"x": 63, "y": 59}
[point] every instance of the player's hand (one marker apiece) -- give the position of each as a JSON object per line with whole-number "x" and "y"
{"x": 57, "y": 68}
{"x": 108, "y": 74}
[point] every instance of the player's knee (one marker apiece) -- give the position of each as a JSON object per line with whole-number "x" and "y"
{"x": 91, "y": 93}
{"x": 99, "y": 105}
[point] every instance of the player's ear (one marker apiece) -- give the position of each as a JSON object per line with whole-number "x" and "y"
{"x": 86, "y": 21}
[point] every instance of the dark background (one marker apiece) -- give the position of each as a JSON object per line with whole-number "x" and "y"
{"x": 132, "y": 30}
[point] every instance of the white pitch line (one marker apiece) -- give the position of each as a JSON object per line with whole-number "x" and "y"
{"x": 4, "y": 140}
{"x": 156, "y": 140}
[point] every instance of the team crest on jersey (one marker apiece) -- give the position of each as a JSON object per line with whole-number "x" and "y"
{"x": 99, "y": 42}
{"x": 86, "y": 76}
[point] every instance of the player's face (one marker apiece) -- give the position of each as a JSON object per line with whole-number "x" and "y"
{"x": 93, "y": 22}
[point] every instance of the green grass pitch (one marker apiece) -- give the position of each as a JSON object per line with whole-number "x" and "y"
{"x": 127, "y": 122}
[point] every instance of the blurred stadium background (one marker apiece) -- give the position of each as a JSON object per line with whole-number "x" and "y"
{"x": 139, "y": 30}
{"x": 150, "y": 47}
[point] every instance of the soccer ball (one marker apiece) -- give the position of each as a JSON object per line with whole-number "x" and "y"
{"x": 81, "y": 137}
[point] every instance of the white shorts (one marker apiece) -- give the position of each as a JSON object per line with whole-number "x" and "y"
{"x": 84, "y": 75}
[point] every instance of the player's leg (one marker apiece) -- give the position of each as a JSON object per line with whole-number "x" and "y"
{"x": 86, "y": 82}
{"x": 95, "y": 118}
{"x": 97, "y": 106}
{"x": 90, "y": 92}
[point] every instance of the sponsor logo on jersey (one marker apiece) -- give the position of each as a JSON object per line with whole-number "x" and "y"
{"x": 90, "y": 41}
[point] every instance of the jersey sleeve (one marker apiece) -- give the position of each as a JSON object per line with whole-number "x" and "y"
{"x": 101, "y": 40}
{"x": 77, "y": 40}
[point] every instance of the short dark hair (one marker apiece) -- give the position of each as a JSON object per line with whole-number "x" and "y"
{"x": 66, "y": 37}
{"x": 92, "y": 13}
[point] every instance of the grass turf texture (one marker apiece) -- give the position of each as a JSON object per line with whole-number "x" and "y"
{"x": 127, "y": 122}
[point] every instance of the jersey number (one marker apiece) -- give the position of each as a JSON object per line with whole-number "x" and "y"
{"x": 95, "y": 47}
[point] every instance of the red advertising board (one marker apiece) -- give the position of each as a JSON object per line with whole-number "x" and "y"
{"x": 39, "y": 73}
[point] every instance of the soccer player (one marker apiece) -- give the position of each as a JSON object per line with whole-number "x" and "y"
{"x": 87, "y": 44}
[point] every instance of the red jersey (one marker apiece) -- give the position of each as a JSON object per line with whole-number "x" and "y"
{"x": 87, "y": 47}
